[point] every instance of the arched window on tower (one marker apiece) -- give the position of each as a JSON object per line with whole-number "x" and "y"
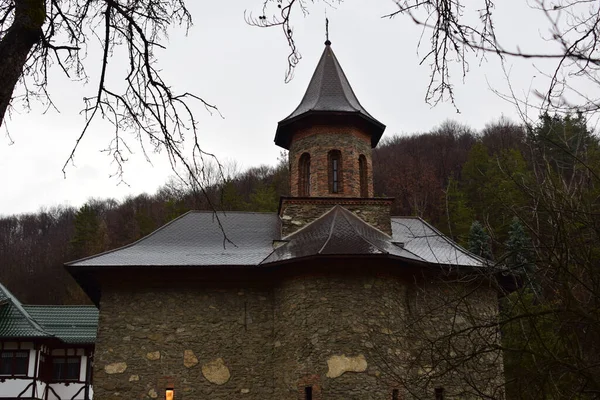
{"x": 364, "y": 177}
{"x": 335, "y": 171}
{"x": 304, "y": 175}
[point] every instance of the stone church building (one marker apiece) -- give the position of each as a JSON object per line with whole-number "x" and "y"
{"x": 330, "y": 298}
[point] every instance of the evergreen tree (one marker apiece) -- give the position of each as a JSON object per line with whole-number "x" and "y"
{"x": 90, "y": 233}
{"x": 520, "y": 255}
{"x": 231, "y": 199}
{"x": 479, "y": 241}
{"x": 456, "y": 221}
{"x": 264, "y": 198}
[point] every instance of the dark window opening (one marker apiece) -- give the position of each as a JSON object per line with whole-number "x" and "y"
{"x": 364, "y": 177}
{"x": 14, "y": 362}
{"x": 66, "y": 368}
{"x": 395, "y": 394}
{"x": 439, "y": 393}
{"x": 335, "y": 171}
{"x": 308, "y": 393}
{"x": 304, "y": 175}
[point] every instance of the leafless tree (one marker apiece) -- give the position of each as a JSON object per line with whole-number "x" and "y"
{"x": 37, "y": 35}
{"x": 451, "y": 35}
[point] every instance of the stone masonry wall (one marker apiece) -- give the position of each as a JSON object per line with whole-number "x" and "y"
{"x": 454, "y": 339}
{"x": 356, "y": 332}
{"x": 296, "y": 213}
{"x": 330, "y": 332}
{"x": 318, "y": 141}
{"x": 206, "y": 343}
{"x": 359, "y": 337}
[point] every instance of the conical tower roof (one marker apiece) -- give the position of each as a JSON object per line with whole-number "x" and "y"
{"x": 328, "y": 93}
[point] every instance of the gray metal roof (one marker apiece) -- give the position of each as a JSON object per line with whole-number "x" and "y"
{"x": 195, "y": 239}
{"x": 15, "y": 321}
{"x": 432, "y": 246}
{"x": 328, "y": 92}
{"x": 71, "y": 324}
{"x": 337, "y": 232}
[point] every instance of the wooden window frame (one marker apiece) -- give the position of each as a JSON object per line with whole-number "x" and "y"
{"x": 13, "y": 362}
{"x": 67, "y": 378}
{"x": 304, "y": 175}
{"x": 336, "y": 170}
{"x": 363, "y": 173}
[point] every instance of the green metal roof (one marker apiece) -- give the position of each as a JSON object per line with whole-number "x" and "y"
{"x": 15, "y": 321}
{"x": 71, "y": 324}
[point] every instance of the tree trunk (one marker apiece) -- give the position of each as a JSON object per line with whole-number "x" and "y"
{"x": 23, "y": 34}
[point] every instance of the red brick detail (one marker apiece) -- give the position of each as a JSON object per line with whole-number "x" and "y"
{"x": 168, "y": 382}
{"x": 310, "y": 380}
{"x": 318, "y": 141}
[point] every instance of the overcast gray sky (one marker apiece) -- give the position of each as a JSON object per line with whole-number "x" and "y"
{"x": 241, "y": 69}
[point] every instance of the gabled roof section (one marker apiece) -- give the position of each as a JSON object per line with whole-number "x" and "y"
{"x": 15, "y": 321}
{"x": 431, "y": 245}
{"x": 197, "y": 238}
{"x": 71, "y": 324}
{"x": 337, "y": 232}
{"x": 328, "y": 92}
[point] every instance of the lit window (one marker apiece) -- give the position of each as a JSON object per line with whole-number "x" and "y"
{"x": 169, "y": 394}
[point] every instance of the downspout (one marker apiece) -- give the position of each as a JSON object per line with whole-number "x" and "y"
{"x": 35, "y": 370}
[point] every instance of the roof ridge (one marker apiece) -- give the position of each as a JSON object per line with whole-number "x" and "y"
{"x": 316, "y": 101}
{"x": 59, "y": 305}
{"x": 12, "y": 299}
{"x": 225, "y": 212}
{"x": 360, "y": 234}
{"x": 335, "y": 210}
{"x": 342, "y": 75}
{"x": 311, "y": 222}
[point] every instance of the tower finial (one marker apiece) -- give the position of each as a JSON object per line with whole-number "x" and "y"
{"x": 327, "y": 41}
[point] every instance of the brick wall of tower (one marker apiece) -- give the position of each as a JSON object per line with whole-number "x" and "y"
{"x": 318, "y": 141}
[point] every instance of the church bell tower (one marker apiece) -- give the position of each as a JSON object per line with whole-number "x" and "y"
{"x": 329, "y": 137}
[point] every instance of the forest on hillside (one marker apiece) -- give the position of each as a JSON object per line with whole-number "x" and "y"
{"x": 450, "y": 176}
{"x": 526, "y": 197}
